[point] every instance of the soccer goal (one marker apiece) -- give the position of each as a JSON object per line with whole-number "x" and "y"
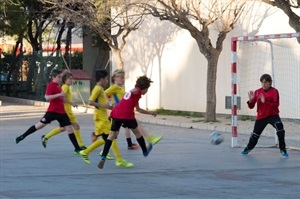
{"x": 252, "y": 56}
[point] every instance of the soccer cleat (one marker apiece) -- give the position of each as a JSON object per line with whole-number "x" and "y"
{"x": 245, "y": 151}
{"x": 150, "y": 146}
{"x": 19, "y": 139}
{"x": 85, "y": 157}
{"x": 83, "y": 147}
{"x": 284, "y": 154}
{"x": 133, "y": 147}
{"x": 94, "y": 137}
{"x": 76, "y": 152}
{"x": 155, "y": 139}
{"x": 101, "y": 163}
{"x": 44, "y": 141}
{"x": 124, "y": 164}
{"x": 108, "y": 156}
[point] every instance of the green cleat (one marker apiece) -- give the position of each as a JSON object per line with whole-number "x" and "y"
{"x": 44, "y": 141}
{"x": 85, "y": 157}
{"x": 155, "y": 139}
{"x": 124, "y": 164}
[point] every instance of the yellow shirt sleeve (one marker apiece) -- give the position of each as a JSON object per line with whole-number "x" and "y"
{"x": 115, "y": 91}
{"x": 66, "y": 89}
{"x": 99, "y": 96}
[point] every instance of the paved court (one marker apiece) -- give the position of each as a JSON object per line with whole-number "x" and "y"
{"x": 183, "y": 165}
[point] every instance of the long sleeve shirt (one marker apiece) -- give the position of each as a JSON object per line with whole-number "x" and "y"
{"x": 269, "y": 107}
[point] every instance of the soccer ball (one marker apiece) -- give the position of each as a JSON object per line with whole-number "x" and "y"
{"x": 216, "y": 138}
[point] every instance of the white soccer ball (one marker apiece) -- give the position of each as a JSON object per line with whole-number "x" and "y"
{"x": 216, "y": 138}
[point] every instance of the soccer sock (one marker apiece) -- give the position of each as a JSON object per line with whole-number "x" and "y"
{"x": 94, "y": 145}
{"x": 79, "y": 137}
{"x": 107, "y": 145}
{"x": 129, "y": 142}
{"x": 29, "y": 131}
{"x": 116, "y": 150}
{"x": 53, "y": 133}
{"x": 74, "y": 141}
{"x": 142, "y": 143}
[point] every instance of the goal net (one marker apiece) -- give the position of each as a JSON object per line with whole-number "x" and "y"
{"x": 252, "y": 56}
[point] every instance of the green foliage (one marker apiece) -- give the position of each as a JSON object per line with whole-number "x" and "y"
{"x": 5, "y": 62}
{"x": 77, "y": 60}
{"x": 246, "y": 118}
{"x": 13, "y": 19}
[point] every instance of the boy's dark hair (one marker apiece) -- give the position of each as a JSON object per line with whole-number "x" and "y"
{"x": 66, "y": 75}
{"x": 55, "y": 72}
{"x": 100, "y": 74}
{"x": 143, "y": 82}
{"x": 266, "y": 77}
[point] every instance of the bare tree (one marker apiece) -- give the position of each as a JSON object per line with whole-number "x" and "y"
{"x": 289, "y": 8}
{"x": 198, "y": 17}
{"x": 111, "y": 20}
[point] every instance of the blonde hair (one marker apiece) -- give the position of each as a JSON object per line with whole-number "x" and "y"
{"x": 117, "y": 72}
{"x": 66, "y": 75}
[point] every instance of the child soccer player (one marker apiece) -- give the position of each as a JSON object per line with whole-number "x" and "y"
{"x": 67, "y": 79}
{"x": 116, "y": 92}
{"x": 123, "y": 115}
{"x": 55, "y": 111}
{"x": 267, "y": 99}
{"x": 101, "y": 121}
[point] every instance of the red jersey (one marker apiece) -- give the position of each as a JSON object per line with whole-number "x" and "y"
{"x": 57, "y": 104}
{"x": 270, "y": 107}
{"x": 125, "y": 108}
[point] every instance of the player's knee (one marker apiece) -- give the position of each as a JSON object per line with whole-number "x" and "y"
{"x": 104, "y": 136}
{"x": 76, "y": 126}
{"x": 279, "y": 130}
{"x": 255, "y": 136}
{"x": 279, "y": 126}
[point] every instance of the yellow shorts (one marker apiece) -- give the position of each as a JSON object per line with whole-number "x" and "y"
{"x": 102, "y": 126}
{"x": 72, "y": 118}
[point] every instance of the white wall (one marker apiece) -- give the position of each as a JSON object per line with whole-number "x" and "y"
{"x": 158, "y": 48}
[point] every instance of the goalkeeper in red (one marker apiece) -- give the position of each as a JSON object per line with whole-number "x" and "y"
{"x": 123, "y": 115}
{"x": 267, "y": 100}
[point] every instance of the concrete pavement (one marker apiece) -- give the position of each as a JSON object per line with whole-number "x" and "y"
{"x": 183, "y": 165}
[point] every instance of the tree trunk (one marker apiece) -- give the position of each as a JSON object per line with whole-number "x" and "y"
{"x": 68, "y": 47}
{"x": 211, "y": 99}
{"x": 118, "y": 58}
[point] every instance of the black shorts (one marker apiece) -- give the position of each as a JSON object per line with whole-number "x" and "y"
{"x": 117, "y": 123}
{"x": 62, "y": 119}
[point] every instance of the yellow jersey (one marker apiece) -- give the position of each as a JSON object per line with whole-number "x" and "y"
{"x": 99, "y": 96}
{"x": 66, "y": 89}
{"x": 115, "y": 92}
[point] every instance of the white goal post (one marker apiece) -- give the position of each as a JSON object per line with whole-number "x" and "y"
{"x": 252, "y": 56}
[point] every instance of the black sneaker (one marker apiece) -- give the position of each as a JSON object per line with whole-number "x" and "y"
{"x": 44, "y": 141}
{"x": 83, "y": 147}
{"x": 18, "y": 139}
